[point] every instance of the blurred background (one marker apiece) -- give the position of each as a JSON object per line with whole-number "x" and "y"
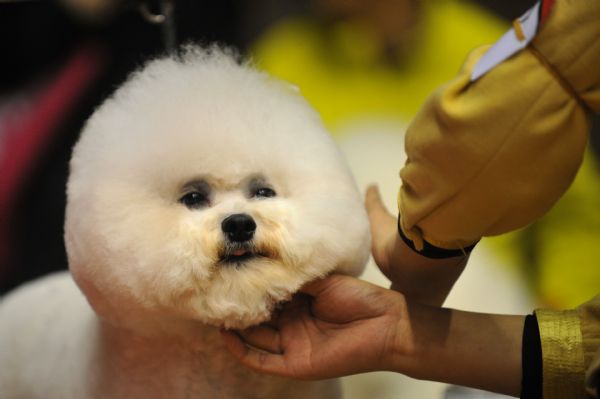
{"x": 365, "y": 65}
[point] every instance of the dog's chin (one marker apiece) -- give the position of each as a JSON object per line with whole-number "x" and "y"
{"x": 241, "y": 321}
{"x": 248, "y": 283}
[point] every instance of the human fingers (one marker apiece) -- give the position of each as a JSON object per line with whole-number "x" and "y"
{"x": 262, "y": 337}
{"x": 376, "y": 210}
{"x": 330, "y": 297}
{"x": 338, "y": 287}
{"x": 382, "y": 224}
{"x": 317, "y": 288}
{"x": 257, "y": 360}
{"x": 343, "y": 299}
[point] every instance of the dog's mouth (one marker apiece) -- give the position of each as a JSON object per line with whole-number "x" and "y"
{"x": 239, "y": 254}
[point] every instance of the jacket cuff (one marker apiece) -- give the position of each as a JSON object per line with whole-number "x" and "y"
{"x": 531, "y": 361}
{"x": 429, "y": 250}
{"x": 562, "y": 354}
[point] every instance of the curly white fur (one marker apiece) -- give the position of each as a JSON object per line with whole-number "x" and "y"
{"x": 151, "y": 267}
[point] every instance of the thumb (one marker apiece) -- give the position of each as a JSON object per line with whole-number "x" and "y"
{"x": 318, "y": 287}
{"x": 376, "y": 210}
{"x": 382, "y": 222}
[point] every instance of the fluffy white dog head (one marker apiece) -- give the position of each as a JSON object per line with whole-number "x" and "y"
{"x": 205, "y": 190}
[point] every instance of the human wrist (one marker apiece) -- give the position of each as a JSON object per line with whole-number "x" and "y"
{"x": 414, "y": 331}
{"x": 464, "y": 348}
{"x": 422, "y": 279}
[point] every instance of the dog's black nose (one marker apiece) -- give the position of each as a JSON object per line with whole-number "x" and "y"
{"x": 238, "y": 227}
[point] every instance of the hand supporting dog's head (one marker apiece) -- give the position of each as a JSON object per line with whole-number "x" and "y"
{"x": 205, "y": 190}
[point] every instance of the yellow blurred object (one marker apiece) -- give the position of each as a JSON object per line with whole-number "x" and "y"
{"x": 561, "y": 251}
{"x": 570, "y": 242}
{"x": 343, "y": 75}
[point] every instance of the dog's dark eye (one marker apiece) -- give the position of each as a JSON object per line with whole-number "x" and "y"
{"x": 264, "y": 192}
{"x": 197, "y": 194}
{"x": 195, "y": 200}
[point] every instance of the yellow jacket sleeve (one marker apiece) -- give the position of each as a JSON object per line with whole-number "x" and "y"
{"x": 571, "y": 351}
{"x": 491, "y": 156}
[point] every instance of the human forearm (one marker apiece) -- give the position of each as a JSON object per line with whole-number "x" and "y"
{"x": 471, "y": 349}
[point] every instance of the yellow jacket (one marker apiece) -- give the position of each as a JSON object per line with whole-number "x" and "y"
{"x": 494, "y": 155}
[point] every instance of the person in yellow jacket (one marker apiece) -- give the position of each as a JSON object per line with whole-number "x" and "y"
{"x": 485, "y": 156}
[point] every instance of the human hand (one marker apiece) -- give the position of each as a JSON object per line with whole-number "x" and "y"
{"x": 419, "y": 278}
{"x": 386, "y": 245}
{"x": 340, "y": 326}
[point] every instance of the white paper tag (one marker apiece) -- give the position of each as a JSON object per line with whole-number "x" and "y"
{"x": 509, "y": 43}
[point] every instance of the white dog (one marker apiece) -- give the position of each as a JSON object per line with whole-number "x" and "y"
{"x": 201, "y": 195}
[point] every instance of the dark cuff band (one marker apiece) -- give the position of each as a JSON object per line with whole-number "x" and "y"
{"x": 531, "y": 383}
{"x": 433, "y": 252}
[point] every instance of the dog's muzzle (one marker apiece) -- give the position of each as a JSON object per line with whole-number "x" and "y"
{"x": 239, "y": 246}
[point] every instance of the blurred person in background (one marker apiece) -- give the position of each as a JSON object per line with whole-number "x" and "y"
{"x": 360, "y": 59}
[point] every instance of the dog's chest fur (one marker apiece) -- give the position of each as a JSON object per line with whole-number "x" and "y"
{"x": 134, "y": 367}
{"x": 64, "y": 351}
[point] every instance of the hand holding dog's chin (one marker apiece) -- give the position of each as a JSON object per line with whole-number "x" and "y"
{"x": 339, "y": 326}
{"x": 346, "y": 326}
